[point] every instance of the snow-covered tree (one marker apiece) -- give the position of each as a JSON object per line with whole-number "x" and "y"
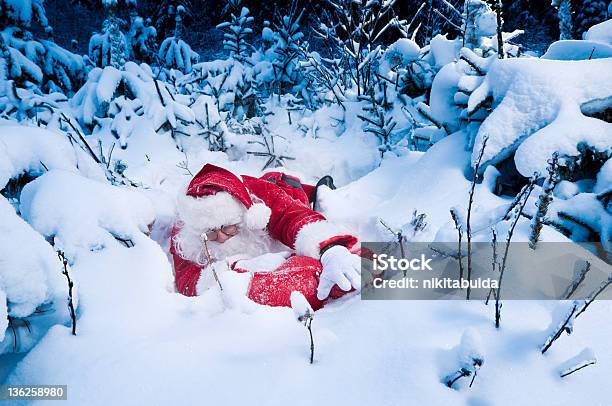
{"x": 120, "y": 100}
{"x": 433, "y": 17}
{"x": 588, "y": 13}
{"x": 141, "y": 38}
{"x": 164, "y": 18}
{"x": 287, "y": 48}
{"x": 23, "y": 13}
{"x": 479, "y": 21}
{"x": 564, "y": 12}
{"x": 26, "y": 59}
{"x": 110, "y": 47}
{"x": 237, "y": 30}
{"x": 175, "y": 53}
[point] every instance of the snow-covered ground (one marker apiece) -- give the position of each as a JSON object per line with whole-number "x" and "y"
{"x": 90, "y": 176}
{"x": 139, "y": 342}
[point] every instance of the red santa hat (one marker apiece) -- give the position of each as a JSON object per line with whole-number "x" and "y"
{"x": 216, "y": 197}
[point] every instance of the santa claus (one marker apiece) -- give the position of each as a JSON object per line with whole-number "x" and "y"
{"x": 263, "y": 227}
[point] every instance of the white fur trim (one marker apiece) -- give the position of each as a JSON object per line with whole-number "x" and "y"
{"x": 257, "y": 216}
{"x": 310, "y": 237}
{"x": 204, "y": 213}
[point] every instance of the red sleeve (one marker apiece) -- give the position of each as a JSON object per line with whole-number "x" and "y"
{"x": 186, "y": 273}
{"x": 293, "y": 223}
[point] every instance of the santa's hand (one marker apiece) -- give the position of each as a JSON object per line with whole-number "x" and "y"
{"x": 341, "y": 268}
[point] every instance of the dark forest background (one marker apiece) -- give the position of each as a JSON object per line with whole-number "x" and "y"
{"x": 77, "y": 19}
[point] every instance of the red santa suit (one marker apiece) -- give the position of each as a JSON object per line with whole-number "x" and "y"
{"x": 275, "y": 202}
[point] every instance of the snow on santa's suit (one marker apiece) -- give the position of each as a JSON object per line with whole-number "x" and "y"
{"x": 218, "y": 197}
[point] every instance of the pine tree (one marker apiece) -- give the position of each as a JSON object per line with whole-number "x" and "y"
{"x": 174, "y": 52}
{"x": 588, "y": 13}
{"x": 287, "y": 48}
{"x": 110, "y": 48}
{"x": 141, "y": 38}
{"x": 164, "y": 18}
{"x": 236, "y": 30}
{"x": 564, "y": 13}
{"x": 28, "y": 60}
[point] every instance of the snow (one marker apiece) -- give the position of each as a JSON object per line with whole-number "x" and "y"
{"x": 538, "y": 110}
{"x": 32, "y": 150}
{"x": 601, "y": 32}
{"x": 52, "y": 205}
{"x": 3, "y": 315}
{"x": 30, "y": 281}
{"x": 567, "y": 50}
{"x": 110, "y": 78}
{"x": 140, "y": 342}
{"x": 470, "y": 351}
{"x": 443, "y": 89}
{"x": 126, "y": 292}
{"x": 604, "y": 178}
{"x": 300, "y": 305}
{"x": 566, "y": 189}
{"x": 585, "y": 357}
{"x": 444, "y": 51}
{"x": 402, "y": 52}
{"x": 177, "y": 54}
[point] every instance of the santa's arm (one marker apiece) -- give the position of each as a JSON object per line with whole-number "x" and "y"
{"x": 186, "y": 274}
{"x": 295, "y": 224}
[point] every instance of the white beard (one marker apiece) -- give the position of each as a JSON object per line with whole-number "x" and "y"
{"x": 244, "y": 245}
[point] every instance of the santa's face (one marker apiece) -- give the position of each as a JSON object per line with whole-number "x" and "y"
{"x": 222, "y": 234}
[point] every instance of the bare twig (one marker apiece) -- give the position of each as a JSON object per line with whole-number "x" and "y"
{"x": 566, "y": 326}
{"x": 577, "y": 281}
{"x": 577, "y": 368}
{"x": 521, "y": 207}
{"x": 210, "y": 260}
{"x": 458, "y": 226}
{"x": 469, "y": 216}
{"x": 62, "y": 258}
{"x": 494, "y": 263}
{"x": 604, "y": 285}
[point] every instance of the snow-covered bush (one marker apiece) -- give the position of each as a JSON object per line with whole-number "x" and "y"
{"x": 479, "y": 21}
{"x": 353, "y": 33}
{"x": 23, "y": 13}
{"x": 118, "y": 97}
{"x": 230, "y": 83}
{"x": 30, "y": 278}
{"x": 542, "y": 107}
{"x": 404, "y": 65}
{"x": 31, "y": 151}
{"x": 114, "y": 213}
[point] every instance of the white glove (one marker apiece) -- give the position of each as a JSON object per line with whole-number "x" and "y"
{"x": 341, "y": 268}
